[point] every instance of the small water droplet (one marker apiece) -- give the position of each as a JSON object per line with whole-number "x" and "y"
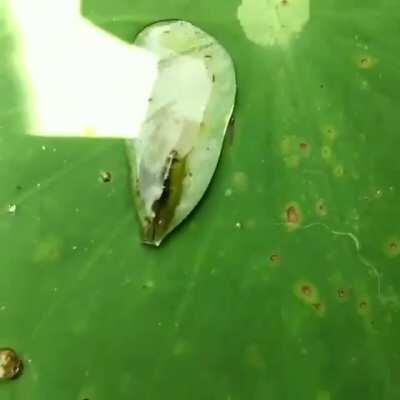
{"x": 74, "y": 248}
{"x": 38, "y": 185}
{"x": 238, "y": 225}
{"x": 12, "y": 208}
{"x": 3, "y": 308}
{"x": 228, "y": 192}
{"x": 43, "y": 147}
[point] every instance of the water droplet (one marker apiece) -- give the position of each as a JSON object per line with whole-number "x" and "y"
{"x": 238, "y": 225}
{"x": 228, "y": 192}
{"x": 74, "y": 248}
{"x": 12, "y": 208}
{"x": 43, "y": 147}
{"x": 3, "y": 308}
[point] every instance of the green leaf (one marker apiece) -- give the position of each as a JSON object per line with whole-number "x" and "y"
{"x": 284, "y": 283}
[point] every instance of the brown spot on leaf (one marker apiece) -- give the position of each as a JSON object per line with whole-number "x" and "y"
{"x": 305, "y": 148}
{"x": 275, "y": 259}
{"x": 392, "y": 247}
{"x": 366, "y": 62}
{"x": 363, "y": 307}
{"x": 292, "y": 215}
{"x": 307, "y": 292}
{"x": 319, "y": 308}
{"x": 320, "y": 208}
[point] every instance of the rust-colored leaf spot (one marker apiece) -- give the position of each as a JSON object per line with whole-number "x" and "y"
{"x": 366, "y": 62}
{"x": 392, "y": 248}
{"x": 319, "y": 308}
{"x": 275, "y": 259}
{"x": 306, "y": 290}
{"x": 320, "y": 208}
{"x": 292, "y": 215}
{"x": 305, "y": 148}
{"x": 363, "y": 305}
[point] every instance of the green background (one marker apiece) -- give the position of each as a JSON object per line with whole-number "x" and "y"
{"x": 236, "y": 304}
